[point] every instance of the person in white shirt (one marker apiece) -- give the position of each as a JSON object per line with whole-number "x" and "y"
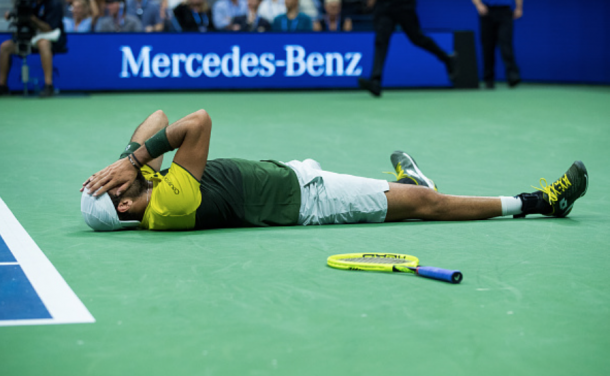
{"x": 310, "y": 8}
{"x": 269, "y": 9}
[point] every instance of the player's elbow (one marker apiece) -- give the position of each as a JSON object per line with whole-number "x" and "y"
{"x": 160, "y": 116}
{"x": 203, "y": 119}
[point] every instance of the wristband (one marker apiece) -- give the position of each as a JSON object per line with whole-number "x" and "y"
{"x": 131, "y": 147}
{"x": 133, "y": 156}
{"x": 133, "y": 163}
{"x": 158, "y": 144}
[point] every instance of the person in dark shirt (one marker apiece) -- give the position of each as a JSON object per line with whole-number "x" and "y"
{"x": 292, "y": 20}
{"x": 148, "y": 12}
{"x": 251, "y": 21}
{"x": 387, "y": 14}
{"x": 194, "y": 16}
{"x": 496, "y": 19}
{"x": 47, "y": 19}
{"x": 333, "y": 20}
{"x": 117, "y": 20}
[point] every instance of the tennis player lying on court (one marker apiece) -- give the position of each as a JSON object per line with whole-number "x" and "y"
{"x": 198, "y": 194}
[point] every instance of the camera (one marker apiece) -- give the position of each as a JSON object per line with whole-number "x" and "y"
{"x": 24, "y": 29}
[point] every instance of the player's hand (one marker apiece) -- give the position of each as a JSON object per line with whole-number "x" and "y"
{"x": 518, "y": 13}
{"x": 119, "y": 174}
{"x": 482, "y": 9}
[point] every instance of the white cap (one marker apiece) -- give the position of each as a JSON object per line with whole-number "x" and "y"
{"x": 99, "y": 213}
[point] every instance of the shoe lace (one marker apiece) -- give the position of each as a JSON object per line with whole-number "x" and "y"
{"x": 554, "y": 190}
{"x": 400, "y": 173}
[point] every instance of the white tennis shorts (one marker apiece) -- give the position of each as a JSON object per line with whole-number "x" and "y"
{"x": 327, "y": 197}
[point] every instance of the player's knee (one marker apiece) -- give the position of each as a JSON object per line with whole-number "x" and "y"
{"x": 433, "y": 204}
{"x": 203, "y": 118}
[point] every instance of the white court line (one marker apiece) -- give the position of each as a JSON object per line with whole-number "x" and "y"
{"x": 59, "y": 299}
{"x": 9, "y": 263}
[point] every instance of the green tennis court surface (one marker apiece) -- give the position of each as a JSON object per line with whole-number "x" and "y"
{"x": 261, "y": 301}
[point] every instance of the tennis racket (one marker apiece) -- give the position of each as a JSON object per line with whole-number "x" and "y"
{"x": 392, "y": 262}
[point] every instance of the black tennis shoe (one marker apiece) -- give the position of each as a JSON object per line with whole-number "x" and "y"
{"x": 452, "y": 67}
{"x": 373, "y": 86}
{"x": 562, "y": 194}
{"x": 407, "y": 171}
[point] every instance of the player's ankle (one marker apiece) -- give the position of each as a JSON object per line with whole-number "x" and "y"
{"x": 534, "y": 203}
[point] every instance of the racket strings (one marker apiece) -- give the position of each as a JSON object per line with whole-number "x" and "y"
{"x": 377, "y": 260}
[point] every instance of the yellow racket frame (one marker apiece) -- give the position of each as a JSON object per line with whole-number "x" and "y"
{"x": 336, "y": 261}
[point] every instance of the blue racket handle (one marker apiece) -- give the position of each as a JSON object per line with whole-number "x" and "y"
{"x": 453, "y": 276}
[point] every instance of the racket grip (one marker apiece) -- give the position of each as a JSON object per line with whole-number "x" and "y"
{"x": 452, "y": 276}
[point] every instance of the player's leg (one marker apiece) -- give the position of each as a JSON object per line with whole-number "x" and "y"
{"x": 418, "y": 202}
{"x": 384, "y": 26}
{"x": 488, "y": 44}
{"x": 6, "y": 50}
{"x": 505, "y": 42}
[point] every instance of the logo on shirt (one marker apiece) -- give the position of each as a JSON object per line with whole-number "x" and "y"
{"x": 176, "y": 190}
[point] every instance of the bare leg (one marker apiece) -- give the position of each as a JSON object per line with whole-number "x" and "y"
{"x": 7, "y": 48}
{"x": 417, "y": 202}
{"x": 46, "y": 58}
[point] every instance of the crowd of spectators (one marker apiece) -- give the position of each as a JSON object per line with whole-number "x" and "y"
{"x": 85, "y": 16}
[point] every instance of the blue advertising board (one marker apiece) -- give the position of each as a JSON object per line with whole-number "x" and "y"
{"x": 235, "y": 61}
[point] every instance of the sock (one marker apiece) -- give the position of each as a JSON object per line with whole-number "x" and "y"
{"x": 511, "y": 205}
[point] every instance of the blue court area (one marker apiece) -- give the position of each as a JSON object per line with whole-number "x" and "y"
{"x": 18, "y": 299}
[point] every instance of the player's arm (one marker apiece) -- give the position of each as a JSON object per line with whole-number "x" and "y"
{"x": 143, "y": 132}
{"x": 153, "y": 124}
{"x": 190, "y": 135}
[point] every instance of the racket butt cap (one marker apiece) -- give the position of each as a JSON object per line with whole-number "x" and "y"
{"x": 451, "y": 276}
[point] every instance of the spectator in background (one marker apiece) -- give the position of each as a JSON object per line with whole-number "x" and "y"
{"x": 148, "y": 12}
{"x": 270, "y": 9}
{"x": 252, "y": 21}
{"x": 167, "y": 14}
{"x": 195, "y": 16}
{"x": 94, "y": 9}
{"x": 332, "y": 20}
{"x": 225, "y": 10}
{"x": 292, "y": 20}
{"x": 81, "y": 18}
{"x": 311, "y": 8}
{"x": 47, "y": 21}
{"x": 117, "y": 20}
{"x": 496, "y": 19}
